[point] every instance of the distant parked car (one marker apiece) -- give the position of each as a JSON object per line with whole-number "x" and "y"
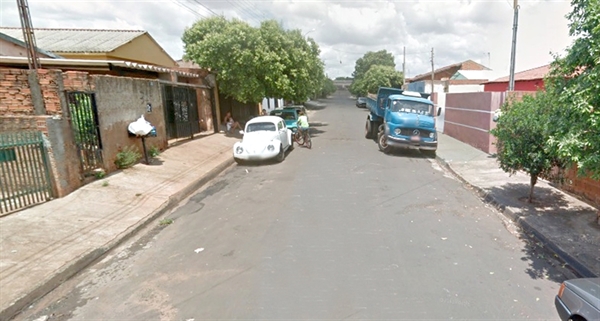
{"x": 579, "y": 300}
{"x": 289, "y": 115}
{"x": 361, "y": 102}
{"x": 298, "y": 109}
{"x": 264, "y": 138}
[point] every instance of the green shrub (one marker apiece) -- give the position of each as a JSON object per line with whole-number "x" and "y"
{"x": 127, "y": 157}
{"x": 153, "y": 151}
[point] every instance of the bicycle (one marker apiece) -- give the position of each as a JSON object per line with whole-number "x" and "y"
{"x": 302, "y": 138}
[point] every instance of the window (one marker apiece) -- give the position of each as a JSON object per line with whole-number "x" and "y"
{"x": 256, "y": 127}
{"x": 412, "y": 107}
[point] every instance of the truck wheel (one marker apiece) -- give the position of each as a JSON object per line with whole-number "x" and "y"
{"x": 382, "y": 143}
{"x": 369, "y": 129}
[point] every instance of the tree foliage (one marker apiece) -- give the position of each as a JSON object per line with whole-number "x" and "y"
{"x": 374, "y": 70}
{"x": 522, "y": 134}
{"x": 377, "y": 76}
{"x": 327, "y": 89}
{"x": 363, "y": 64}
{"x": 253, "y": 63}
{"x": 575, "y": 80}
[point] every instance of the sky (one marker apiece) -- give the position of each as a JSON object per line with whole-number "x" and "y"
{"x": 345, "y": 30}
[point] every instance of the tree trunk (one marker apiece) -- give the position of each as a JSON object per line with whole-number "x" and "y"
{"x": 533, "y": 180}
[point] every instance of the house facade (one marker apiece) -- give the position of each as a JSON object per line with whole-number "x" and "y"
{"x": 528, "y": 80}
{"x": 99, "y": 44}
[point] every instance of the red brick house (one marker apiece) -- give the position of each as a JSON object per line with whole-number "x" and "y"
{"x": 528, "y": 80}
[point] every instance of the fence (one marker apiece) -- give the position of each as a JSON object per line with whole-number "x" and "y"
{"x": 24, "y": 171}
{"x": 84, "y": 121}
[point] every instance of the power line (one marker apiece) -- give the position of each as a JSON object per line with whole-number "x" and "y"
{"x": 247, "y": 14}
{"x": 188, "y": 8}
{"x": 255, "y": 9}
{"x": 207, "y": 8}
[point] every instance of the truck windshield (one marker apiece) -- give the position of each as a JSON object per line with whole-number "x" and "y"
{"x": 413, "y": 107}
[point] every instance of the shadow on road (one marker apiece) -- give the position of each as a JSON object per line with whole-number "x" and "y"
{"x": 315, "y": 130}
{"x": 407, "y": 153}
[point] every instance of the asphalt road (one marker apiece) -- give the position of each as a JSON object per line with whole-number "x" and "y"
{"x": 341, "y": 231}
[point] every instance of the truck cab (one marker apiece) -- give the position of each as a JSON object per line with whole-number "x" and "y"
{"x": 402, "y": 119}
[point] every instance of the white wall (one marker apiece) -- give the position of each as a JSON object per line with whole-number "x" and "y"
{"x": 269, "y": 104}
{"x": 465, "y": 88}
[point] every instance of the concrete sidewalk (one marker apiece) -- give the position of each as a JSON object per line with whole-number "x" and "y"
{"x": 42, "y": 246}
{"x": 562, "y": 222}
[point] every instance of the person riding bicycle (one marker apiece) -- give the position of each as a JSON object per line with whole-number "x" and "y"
{"x": 303, "y": 124}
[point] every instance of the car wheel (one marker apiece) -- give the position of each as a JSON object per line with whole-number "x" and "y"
{"x": 281, "y": 155}
{"x": 369, "y": 129}
{"x": 382, "y": 143}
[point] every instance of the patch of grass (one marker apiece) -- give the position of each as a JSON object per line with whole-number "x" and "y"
{"x": 153, "y": 151}
{"x": 166, "y": 221}
{"x": 99, "y": 174}
{"x": 127, "y": 157}
{"x": 105, "y": 183}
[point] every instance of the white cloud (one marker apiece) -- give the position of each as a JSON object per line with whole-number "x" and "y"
{"x": 345, "y": 29}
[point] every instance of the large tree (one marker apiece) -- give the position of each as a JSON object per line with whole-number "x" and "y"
{"x": 252, "y": 63}
{"x": 377, "y": 76}
{"x": 522, "y": 134}
{"x": 372, "y": 70}
{"x": 575, "y": 80}
{"x": 381, "y": 58}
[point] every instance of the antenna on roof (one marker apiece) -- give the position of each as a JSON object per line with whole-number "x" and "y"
{"x": 28, "y": 36}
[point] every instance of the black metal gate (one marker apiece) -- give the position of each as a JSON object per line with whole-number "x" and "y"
{"x": 24, "y": 171}
{"x": 181, "y": 111}
{"x": 84, "y": 121}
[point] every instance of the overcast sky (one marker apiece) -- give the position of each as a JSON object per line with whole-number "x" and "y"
{"x": 344, "y": 29}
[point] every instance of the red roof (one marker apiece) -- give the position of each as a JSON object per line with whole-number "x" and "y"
{"x": 530, "y": 74}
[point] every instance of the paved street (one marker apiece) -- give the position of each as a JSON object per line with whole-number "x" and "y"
{"x": 341, "y": 231}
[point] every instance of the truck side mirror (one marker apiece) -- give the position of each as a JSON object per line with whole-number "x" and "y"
{"x": 439, "y": 111}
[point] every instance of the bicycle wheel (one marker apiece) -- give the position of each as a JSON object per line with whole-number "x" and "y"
{"x": 299, "y": 138}
{"x": 308, "y": 141}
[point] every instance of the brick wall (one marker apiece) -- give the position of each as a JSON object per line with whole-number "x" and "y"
{"x": 49, "y": 83}
{"x": 18, "y": 123}
{"x": 15, "y": 95}
{"x": 78, "y": 81}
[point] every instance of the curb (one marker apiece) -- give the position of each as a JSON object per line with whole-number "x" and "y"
{"x": 72, "y": 268}
{"x": 520, "y": 221}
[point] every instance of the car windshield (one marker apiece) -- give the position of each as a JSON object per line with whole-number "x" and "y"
{"x": 413, "y": 107}
{"x": 256, "y": 127}
{"x": 285, "y": 115}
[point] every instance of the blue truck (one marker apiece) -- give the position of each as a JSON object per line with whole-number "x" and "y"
{"x": 402, "y": 119}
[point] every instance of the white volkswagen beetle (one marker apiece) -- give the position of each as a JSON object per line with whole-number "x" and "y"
{"x": 265, "y": 137}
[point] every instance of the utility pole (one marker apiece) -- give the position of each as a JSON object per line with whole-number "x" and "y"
{"x": 513, "y": 53}
{"x": 28, "y": 36}
{"x": 432, "y": 72}
{"x": 404, "y": 69}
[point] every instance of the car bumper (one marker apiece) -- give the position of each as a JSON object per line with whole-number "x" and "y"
{"x": 398, "y": 142}
{"x": 562, "y": 309}
{"x": 256, "y": 156}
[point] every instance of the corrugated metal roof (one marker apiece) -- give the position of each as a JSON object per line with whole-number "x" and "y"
{"x": 77, "y": 40}
{"x": 530, "y": 74}
{"x": 22, "y": 44}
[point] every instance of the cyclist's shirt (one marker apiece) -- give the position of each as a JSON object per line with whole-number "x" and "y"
{"x": 303, "y": 121}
